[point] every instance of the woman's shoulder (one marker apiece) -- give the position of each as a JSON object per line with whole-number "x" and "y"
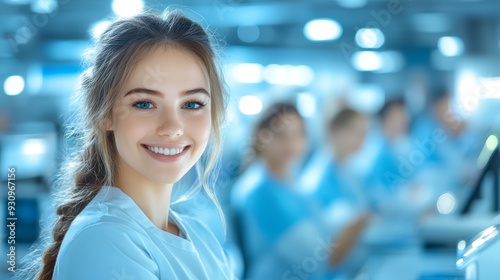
{"x": 104, "y": 247}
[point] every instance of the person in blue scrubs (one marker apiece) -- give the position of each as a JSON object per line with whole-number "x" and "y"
{"x": 151, "y": 103}
{"x": 283, "y": 235}
{"x": 331, "y": 182}
{"x": 391, "y": 175}
{"x": 449, "y": 145}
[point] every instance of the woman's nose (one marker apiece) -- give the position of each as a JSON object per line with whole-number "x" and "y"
{"x": 170, "y": 125}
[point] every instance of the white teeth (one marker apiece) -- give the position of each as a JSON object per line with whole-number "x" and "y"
{"x": 166, "y": 151}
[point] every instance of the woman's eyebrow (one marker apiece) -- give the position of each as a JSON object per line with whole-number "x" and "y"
{"x": 196, "y": 90}
{"x": 144, "y": 90}
{"x": 160, "y": 94}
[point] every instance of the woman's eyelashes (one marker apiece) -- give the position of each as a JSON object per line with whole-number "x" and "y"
{"x": 194, "y": 105}
{"x": 143, "y": 104}
{"x": 148, "y": 104}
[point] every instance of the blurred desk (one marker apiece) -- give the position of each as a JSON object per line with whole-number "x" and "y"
{"x": 411, "y": 263}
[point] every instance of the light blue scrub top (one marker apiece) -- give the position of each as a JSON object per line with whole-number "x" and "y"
{"x": 113, "y": 239}
{"x": 283, "y": 237}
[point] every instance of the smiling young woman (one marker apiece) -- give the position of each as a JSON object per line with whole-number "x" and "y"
{"x": 152, "y": 104}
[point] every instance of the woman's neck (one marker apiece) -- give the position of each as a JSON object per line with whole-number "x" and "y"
{"x": 152, "y": 198}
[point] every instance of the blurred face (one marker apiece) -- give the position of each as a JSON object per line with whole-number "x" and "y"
{"x": 161, "y": 119}
{"x": 443, "y": 112}
{"x": 396, "y": 122}
{"x": 285, "y": 141}
{"x": 350, "y": 138}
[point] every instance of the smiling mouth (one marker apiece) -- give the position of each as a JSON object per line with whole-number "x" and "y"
{"x": 166, "y": 151}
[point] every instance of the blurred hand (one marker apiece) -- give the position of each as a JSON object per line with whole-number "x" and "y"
{"x": 343, "y": 245}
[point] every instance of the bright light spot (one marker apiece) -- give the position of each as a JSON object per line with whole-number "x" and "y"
{"x": 366, "y": 61}
{"x": 13, "y": 85}
{"x": 451, "y": 46}
{"x": 248, "y": 33}
{"x": 370, "y": 38}
{"x": 127, "y": 8}
{"x": 301, "y": 75}
{"x": 461, "y": 245}
{"x": 33, "y": 147}
{"x": 460, "y": 262}
{"x": 446, "y": 203}
{"x": 99, "y": 28}
{"x": 492, "y": 142}
{"x": 306, "y": 104}
{"x": 276, "y": 74}
{"x": 248, "y": 73}
{"x": 487, "y": 234}
{"x": 250, "y": 105}
{"x": 352, "y": 3}
{"x": 43, "y": 6}
{"x": 467, "y": 85}
{"x": 322, "y": 30}
{"x": 367, "y": 98}
{"x": 490, "y": 230}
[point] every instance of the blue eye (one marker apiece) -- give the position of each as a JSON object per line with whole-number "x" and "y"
{"x": 144, "y": 105}
{"x": 193, "y": 105}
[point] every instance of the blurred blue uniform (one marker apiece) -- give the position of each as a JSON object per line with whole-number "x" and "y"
{"x": 282, "y": 235}
{"x": 341, "y": 199}
{"x": 329, "y": 183}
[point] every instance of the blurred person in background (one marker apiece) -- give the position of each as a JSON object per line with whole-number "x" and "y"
{"x": 283, "y": 236}
{"x": 448, "y": 144}
{"x": 389, "y": 172}
{"x": 393, "y": 192}
{"x": 333, "y": 184}
{"x": 140, "y": 132}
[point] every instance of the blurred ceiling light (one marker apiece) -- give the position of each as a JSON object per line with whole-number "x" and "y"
{"x": 33, "y": 147}
{"x": 250, "y": 105}
{"x": 248, "y": 33}
{"x": 492, "y": 142}
{"x": 451, "y": 46}
{"x": 306, "y": 104}
{"x": 367, "y": 98}
{"x": 446, "y": 203}
{"x": 322, "y": 30}
{"x": 301, "y": 75}
{"x": 98, "y": 28}
{"x": 43, "y": 6}
{"x": 366, "y": 61}
{"x": 247, "y": 73}
{"x": 380, "y": 62}
{"x": 370, "y": 38}
{"x": 431, "y": 22}
{"x": 127, "y": 8}
{"x": 13, "y": 85}
{"x": 276, "y": 74}
{"x": 352, "y": 3}
{"x": 467, "y": 82}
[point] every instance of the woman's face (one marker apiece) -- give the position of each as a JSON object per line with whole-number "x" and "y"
{"x": 285, "y": 141}
{"x": 161, "y": 119}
